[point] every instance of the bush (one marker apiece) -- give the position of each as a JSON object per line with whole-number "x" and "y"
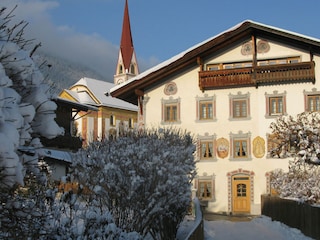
{"x": 144, "y": 179}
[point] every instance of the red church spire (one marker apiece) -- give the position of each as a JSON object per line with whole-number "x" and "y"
{"x": 127, "y": 66}
{"x": 126, "y": 45}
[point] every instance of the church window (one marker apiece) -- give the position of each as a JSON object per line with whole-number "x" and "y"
{"x": 120, "y": 69}
{"x": 132, "y": 69}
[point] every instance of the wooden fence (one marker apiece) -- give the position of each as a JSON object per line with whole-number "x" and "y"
{"x": 293, "y": 213}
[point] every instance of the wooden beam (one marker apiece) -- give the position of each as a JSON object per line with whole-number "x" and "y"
{"x": 139, "y": 92}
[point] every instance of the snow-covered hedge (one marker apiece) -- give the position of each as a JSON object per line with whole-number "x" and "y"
{"x": 143, "y": 178}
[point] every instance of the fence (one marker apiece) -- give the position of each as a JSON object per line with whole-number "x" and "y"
{"x": 192, "y": 227}
{"x": 293, "y": 213}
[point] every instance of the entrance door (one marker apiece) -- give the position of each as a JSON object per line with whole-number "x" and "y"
{"x": 241, "y": 194}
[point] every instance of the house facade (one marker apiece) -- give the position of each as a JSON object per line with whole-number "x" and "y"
{"x": 112, "y": 118}
{"x": 227, "y": 91}
{"x": 56, "y": 152}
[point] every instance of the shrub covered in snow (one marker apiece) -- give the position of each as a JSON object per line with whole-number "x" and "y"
{"x": 26, "y": 111}
{"x": 298, "y": 138}
{"x": 142, "y": 178}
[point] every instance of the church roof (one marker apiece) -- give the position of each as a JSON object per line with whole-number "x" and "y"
{"x": 97, "y": 93}
{"x": 126, "y": 44}
{"x": 189, "y": 57}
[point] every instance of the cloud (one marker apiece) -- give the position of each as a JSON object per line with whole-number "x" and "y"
{"x": 62, "y": 41}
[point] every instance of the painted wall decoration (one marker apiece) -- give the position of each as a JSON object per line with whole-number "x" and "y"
{"x": 222, "y": 147}
{"x": 259, "y": 147}
{"x": 246, "y": 49}
{"x": 262, "y": 47}
{"x": 170, "y": 88}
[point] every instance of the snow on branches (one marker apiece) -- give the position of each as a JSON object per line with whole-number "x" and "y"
{"x": 26, "y": 111}
{"x": 143, "y": 178}
{"x": 299, "y": 138}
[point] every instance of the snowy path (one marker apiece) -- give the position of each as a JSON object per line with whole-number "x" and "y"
{"x": 262, "y": 228}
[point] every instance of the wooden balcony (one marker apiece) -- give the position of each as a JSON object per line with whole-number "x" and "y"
{"x": 260, "y": 75}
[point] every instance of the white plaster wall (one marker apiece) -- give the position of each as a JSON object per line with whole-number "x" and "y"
{"x": 258, "y": 125}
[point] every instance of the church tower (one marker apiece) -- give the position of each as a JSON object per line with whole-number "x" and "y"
{"x": 127, "y": 65}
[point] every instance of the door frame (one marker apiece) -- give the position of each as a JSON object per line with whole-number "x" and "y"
{"x": 239, "y": 180}
{"x": 240, "y": 172}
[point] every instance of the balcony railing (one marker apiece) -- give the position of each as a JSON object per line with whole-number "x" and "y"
{"x": 260, "y": 75}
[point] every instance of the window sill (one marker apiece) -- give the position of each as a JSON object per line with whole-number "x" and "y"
{"x": 205, "y": 120}
{"x": 249, "y": 158}
{"x": 239, "y": 119}
{"x": 170, "y": 123}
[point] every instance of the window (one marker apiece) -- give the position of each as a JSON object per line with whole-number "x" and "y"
{"x": 275, "y": 104}
{"x": 312, "y": 100}
{"x": 313, "y": 103}
{"x": 206, "y": 150}
{"x": 205, "y": 186}
{"x": 206, "y": 147}
{"x": 279, "y": 61}
{"x": 132, "y": 69}
{"x": 237, "y": 65}
{"x": 234, "y": 65}
{"x": 239, "y": 106}
{"x": 212, "y": 67}
{"x": 205, "y": 189}
{"x": 206, "y": 108}
{"x": 130, "y": 123}
{"x": 240, "y": 149}
{"x": 171, "y": 111}
{"x": 112, "y": 120}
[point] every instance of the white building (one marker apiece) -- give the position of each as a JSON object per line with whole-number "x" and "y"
{"x": 226, "y": 91}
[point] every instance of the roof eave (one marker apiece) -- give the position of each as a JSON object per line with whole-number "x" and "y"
{"x": 127, "y": 91}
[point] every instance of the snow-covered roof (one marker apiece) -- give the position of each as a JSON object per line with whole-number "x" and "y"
{"x": 101, "y": 91}
{"x": 264, "y": 27}
{"x": 56, "y": 154}
{"x": 76, "y": 105}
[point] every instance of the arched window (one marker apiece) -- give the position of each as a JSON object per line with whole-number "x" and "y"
{"x": 132, "y": 70}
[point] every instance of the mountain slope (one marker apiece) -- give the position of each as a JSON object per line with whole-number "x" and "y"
{"x": 61, "y": 73}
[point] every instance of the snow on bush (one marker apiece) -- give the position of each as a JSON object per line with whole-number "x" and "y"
{"x": 144, "y": 179}
{"x": 26, "y": 111}
{"x": 298, "y": 138}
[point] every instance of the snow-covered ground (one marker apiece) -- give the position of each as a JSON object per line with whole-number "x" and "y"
{"x": 262, "y": 228}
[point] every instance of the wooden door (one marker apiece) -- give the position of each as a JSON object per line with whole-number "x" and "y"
{"x": 241, "y": 194}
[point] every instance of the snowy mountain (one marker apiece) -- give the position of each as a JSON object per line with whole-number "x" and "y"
{"x": 62, "y": 73}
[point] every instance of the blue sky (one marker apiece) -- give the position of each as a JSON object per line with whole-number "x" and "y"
{"x": 89, "y": 31}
